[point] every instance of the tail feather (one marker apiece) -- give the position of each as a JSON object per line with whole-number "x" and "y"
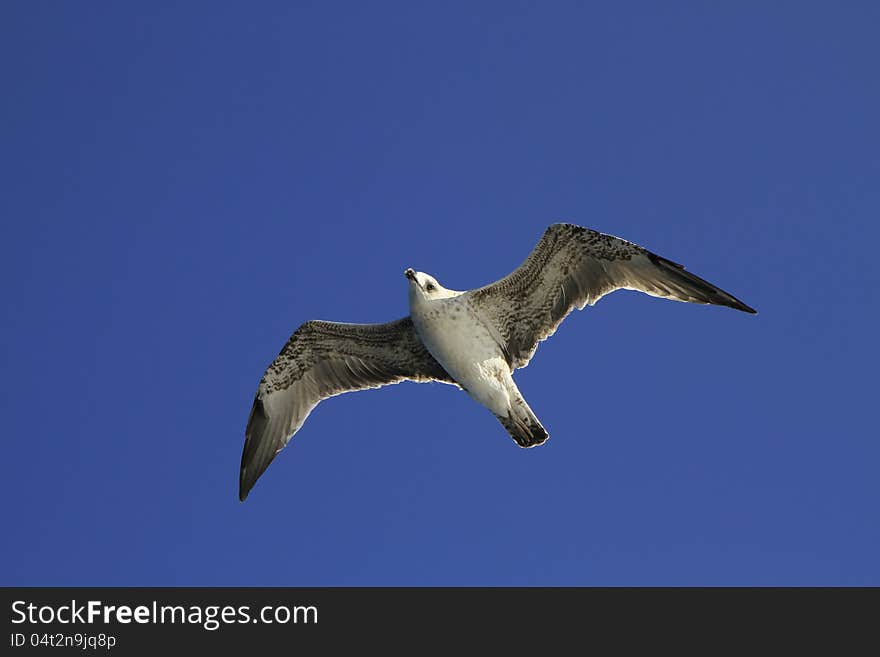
{"x": 524, "y": 428}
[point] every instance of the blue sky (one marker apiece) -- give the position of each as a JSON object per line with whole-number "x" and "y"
{"x": 186, "y": 183}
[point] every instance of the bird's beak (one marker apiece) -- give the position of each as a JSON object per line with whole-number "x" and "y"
{"x": 410, "y": 274}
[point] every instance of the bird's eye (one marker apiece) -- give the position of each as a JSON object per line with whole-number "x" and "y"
{"x": 429, "y": 287}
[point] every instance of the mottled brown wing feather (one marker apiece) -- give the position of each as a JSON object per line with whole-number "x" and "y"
{"x": 323, "y": 359}
{"x": 572, "y": 267}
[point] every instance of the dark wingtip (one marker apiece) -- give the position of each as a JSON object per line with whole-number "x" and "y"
{"x": 736, "y": 304}
{"x": 256, "y": 421}
{"x": 246, "y": 481}
{"x": 711, "y": 294}
{"x": 244, "y": 487}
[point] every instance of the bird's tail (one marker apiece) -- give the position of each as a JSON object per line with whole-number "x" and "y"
{"x": 522, "y": 425}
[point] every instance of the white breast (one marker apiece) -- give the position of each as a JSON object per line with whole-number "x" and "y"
{"x": 463, "y": 345}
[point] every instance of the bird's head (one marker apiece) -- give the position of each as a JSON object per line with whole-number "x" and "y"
{"x": 425, "y": 287}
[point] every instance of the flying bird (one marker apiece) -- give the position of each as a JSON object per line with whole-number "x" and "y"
{"x": 474, "y": 340}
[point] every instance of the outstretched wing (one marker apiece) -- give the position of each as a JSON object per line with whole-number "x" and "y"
{"x": 571, "y": 267}
{"x": 323, "y": 359}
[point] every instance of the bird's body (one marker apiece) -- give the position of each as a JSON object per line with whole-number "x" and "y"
{"x": 474, "y": 339}
{"x": 460, "y": 342}
{"x": 465, "y": 344}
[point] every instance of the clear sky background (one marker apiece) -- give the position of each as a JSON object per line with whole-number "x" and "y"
{"x": 183, "y": 184}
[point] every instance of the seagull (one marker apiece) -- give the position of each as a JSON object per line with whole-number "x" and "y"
{"x": 474, "y": 340}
